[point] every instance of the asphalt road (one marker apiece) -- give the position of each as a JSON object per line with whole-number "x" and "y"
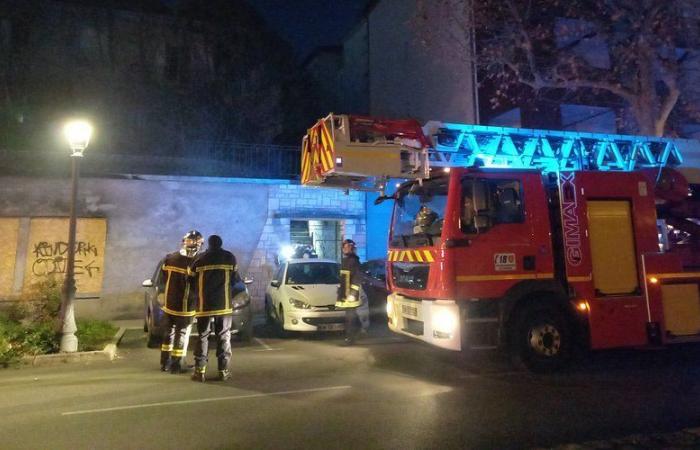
{"x": 310, "y": 392}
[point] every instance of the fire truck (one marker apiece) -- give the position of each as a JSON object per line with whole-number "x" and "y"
{"x": 536, "y": 241}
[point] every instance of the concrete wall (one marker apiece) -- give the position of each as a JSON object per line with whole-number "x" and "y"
{"x": 147, "y": 216}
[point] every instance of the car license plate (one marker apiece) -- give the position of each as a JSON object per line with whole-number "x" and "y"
{"x": 409, "y": 310}
{"x": 331, "y": 327}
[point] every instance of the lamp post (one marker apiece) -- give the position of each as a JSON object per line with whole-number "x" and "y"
{"x": 78, "y": 133}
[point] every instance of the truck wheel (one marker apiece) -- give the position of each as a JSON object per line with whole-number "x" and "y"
{"x": 541, "y": 339}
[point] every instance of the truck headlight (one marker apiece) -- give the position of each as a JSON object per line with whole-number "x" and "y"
{"x": 444, "y": 321}
{"x": 299, "y": 304}
{"x": 389, "y": 308}
{"x": 240, "y": 300}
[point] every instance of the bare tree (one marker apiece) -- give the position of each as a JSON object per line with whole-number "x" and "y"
{"x": 638, "y": 54}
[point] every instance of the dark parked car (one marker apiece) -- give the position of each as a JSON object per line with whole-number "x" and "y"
{"x": 374, "y": 285}
{"x": 153, "y": 315}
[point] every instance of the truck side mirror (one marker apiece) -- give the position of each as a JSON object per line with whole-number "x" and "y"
{"x": 275, "y": 283}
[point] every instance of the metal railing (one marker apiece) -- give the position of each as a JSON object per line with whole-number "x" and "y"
{"x": 229, "y": 160}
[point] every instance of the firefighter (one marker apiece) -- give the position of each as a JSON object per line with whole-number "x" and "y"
{"x": 178, "y": 308}
{"x": 212, "y": 274}
{"x": 349, "y": 291}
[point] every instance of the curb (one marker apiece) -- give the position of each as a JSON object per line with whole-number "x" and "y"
{"x": 108, "y": 353}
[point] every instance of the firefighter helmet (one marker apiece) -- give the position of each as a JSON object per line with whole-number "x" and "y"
{"x": 191, "y": 243}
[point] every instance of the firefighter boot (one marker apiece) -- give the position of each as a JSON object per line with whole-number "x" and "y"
{"x": 199, "y": 374}
{"x": 224, "y": 375}
{"x": 176, "y": 367}
{"x": 165, "y": 360}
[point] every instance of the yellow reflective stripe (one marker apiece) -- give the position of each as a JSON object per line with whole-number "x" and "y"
{"x": 167, "y": 287}
{"x": 217, "y": 312}
{"x": 354, "y": 286}
{"x": 227, "y": 282}
{"x": 178, "y": 352}
{"x": 673, "y": 276}
{"x": 419, "y": 258}
{"x": 201, "y": 289}
{"x": 178, "y": 313}
{"x": 175, "y": 269}
{"x": 184, "y": 297}
{"x": 579, "y": 279}
{"x": 428, "y": 255}
{"x": 166, "y": 348}
{"x": 515, "y": 276}
{"x": 409, "y": 255}
{"x": 214, "y": 267}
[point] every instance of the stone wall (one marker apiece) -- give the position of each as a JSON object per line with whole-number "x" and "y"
{"x": 147, "y": 216}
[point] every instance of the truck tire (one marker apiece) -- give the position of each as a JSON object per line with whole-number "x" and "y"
{"x": 541, "y": 339}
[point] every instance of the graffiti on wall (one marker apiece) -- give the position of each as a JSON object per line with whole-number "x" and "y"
{"x": 9, "y": 230}
{"x": 47, "y": 252}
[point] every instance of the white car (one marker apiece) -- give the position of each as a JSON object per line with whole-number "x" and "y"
{"x": 302, "y": 295}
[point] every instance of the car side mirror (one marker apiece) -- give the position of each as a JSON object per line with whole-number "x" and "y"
{"x": 275, "y": 283}
{"x": 248, "y": 280}
{"x": 147, "y": 283}
{"x": 482, "y": 222}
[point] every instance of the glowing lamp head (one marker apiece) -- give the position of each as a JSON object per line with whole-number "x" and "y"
{"x": 78, "y": 133}
{"x": 653, "y": 280}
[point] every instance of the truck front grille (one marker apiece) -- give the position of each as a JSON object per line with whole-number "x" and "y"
{"x": 410, "y": 275}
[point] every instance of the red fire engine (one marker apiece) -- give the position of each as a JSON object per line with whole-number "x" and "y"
{"x": 532, "y": 240}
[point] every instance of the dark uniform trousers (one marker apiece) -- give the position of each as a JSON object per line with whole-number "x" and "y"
{"x": 175, "y": 337}
{"x": 222, "y": 329}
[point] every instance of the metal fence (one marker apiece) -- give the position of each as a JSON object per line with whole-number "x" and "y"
{"x": 230, "y": 160}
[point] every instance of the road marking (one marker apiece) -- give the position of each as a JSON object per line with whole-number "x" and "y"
{"x": 202, "y": 400}
{"x": 260, "y": 341}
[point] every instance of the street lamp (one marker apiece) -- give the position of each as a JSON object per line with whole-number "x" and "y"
{"x": 78, "y": 133}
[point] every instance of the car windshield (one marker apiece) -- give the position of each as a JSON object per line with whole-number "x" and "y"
{"x": 419, "y": 213}
{"x": 313, "y": 273}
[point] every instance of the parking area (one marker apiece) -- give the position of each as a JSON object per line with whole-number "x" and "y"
{"x": 307, "y": 391}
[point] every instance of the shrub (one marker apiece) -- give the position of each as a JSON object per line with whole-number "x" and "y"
{"x": 94, "y": 334}
{"x": 42, "y": 303}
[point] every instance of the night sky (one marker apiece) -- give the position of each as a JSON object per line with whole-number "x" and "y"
{"x": 308, "y": 24}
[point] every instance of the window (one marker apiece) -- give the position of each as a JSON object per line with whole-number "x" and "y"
{"x": 313, "y": 273}
{"x": 488, "y": 202}
{"x": 280, "y": 273}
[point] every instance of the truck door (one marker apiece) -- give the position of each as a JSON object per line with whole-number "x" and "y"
{"x": 501, "y": 212}
{"x": 617, "y": 313}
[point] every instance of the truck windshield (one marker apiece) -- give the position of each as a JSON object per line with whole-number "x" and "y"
{"x": 419, "y": 213}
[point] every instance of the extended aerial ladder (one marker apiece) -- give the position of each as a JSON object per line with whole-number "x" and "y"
{"x": 355, "y": 152}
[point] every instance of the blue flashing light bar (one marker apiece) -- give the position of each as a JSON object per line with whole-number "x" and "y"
{"x": 458, "y": 145}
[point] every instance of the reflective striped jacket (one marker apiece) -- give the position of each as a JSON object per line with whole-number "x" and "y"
{"x": 178, "y": 297}
{"x": 349, "y": 277}
{"x": 213, "y": 274}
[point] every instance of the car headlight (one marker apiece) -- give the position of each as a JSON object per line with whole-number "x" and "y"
{"x": 299, "y": 304}
{"x": 240, "y": 300}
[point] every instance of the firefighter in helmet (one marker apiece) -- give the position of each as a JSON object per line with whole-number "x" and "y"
{"x": 213, "y": 273}
{"x": 424, "y": 219}
{"x": 350, "y": 290}
{"x": 178, "y": 306}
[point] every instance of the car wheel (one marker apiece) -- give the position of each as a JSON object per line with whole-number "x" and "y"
{"x": 269, "y": 318}
{"x": 541, "y": 339}
{"x": 281, "y": 332}
{"x": 247, "y": 332}
{"x": 153, "y": 340}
